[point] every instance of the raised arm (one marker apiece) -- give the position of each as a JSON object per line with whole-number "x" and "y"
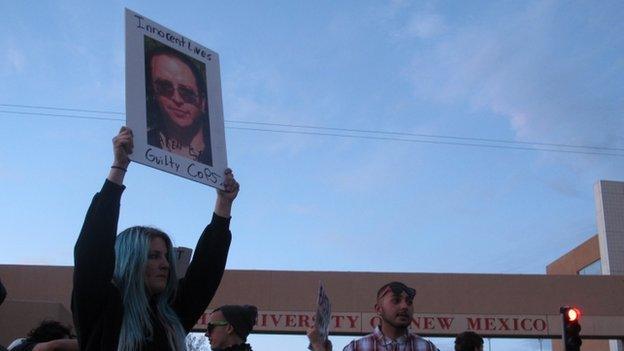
{"x": 57, "y": 345}
{"x": 123, "y": 144}
{"x": 316, "y": 342}
{"x": 225, "y": 198}
{"x": 94, "y": 253}
{"x": 204, "y": 274}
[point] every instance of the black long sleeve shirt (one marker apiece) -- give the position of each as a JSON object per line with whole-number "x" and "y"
{"x": 97, "y": 305}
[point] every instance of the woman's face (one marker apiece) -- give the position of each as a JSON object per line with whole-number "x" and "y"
{"x": 157, "y": 269}
{"x": 217, "y": 330}
{"x": 176, "y": 90}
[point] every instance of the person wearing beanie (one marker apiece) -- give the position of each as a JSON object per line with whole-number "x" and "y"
{"x": 229, "y": 326}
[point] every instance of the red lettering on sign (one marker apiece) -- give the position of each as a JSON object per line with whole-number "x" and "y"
{"x": 304, "y": 320}
{"x": 474, "y": 324}
{"x": 523, "y": 325}
{"x": 290, "y": 320}
{"x": 445, "y": 322}
{"x": 352, "y": 321}
{"x": 264, "y": 320}
{"x": 276, "y": 320}
{"x": 429, "y": 322}
{"x": 515, "y": 327}
{"x": 541, "y": 323}
{"x": 337, "y": 320}
{"x": 503, "y": 324}
{"x": 489, "y": 324}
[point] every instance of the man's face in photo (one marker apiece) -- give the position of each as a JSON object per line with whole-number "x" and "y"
{"x": 176, "y": 91}
{"x": 396, "y": 309}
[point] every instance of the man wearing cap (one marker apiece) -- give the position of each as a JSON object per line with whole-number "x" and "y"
{"x": 394, "y": 308}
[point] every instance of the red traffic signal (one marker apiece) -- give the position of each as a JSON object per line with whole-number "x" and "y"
{"x": 571, "y": 328}
{"x": 573, "y": 314}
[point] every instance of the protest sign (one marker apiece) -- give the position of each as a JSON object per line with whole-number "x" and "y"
{"x": 173, "y": 102}
{"x": 323, "y": 313}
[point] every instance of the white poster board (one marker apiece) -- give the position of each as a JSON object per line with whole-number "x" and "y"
{"x": 173, "y": 102}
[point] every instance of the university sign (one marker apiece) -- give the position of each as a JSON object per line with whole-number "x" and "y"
{"x": 358, "y": 323}
{"x": 493, "y": 305}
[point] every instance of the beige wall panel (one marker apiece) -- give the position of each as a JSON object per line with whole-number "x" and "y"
{"x": 576, "y": 259}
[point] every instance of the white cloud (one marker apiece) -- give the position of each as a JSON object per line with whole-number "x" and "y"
{"x": 527, "y": 68}
{"x": 15, "y": 59}
{"x": 425, "y": 25}
{"x": 375, "y": 165}
{"x": 247, "y": 108}
{"x": 301, "y": 209}
{"x": 519, "y": 121}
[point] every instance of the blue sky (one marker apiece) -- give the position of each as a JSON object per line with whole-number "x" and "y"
{"x": 547, "y": 71}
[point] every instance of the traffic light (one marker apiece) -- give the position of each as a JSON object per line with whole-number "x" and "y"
{"x": 571, "y": 328}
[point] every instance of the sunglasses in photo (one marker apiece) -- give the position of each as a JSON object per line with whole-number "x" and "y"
{"x": 166, "y": 88}
{"x": 212, "y": 325}
{"x": 397, "y": 289}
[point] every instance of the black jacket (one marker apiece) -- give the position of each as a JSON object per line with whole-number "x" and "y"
{"x": 97, "y": 306}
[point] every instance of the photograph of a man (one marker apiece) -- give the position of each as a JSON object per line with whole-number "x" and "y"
{"x": 177, "y": 106}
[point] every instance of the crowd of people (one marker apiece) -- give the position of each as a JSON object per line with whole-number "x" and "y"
{"x": 126, "y": 295}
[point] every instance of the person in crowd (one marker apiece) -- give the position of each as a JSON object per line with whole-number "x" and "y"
{"x": 468, "y": 341}
{"x": 47, "y": 336}
{"x": 177, "y": 106}
{"x": 3, "y": 292}
{"x": 14, "y": 344}
{"x": 229, "y": 326}
{"x": 3, "y": 295}
{"x": 395, "y": 308}
{"x": 126, "y": 294}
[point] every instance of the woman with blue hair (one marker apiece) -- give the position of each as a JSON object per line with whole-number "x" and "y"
{"x": 126, "y": 294}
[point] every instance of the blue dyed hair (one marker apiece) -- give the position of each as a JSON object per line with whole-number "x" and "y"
{"x": 131, "y": 253}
